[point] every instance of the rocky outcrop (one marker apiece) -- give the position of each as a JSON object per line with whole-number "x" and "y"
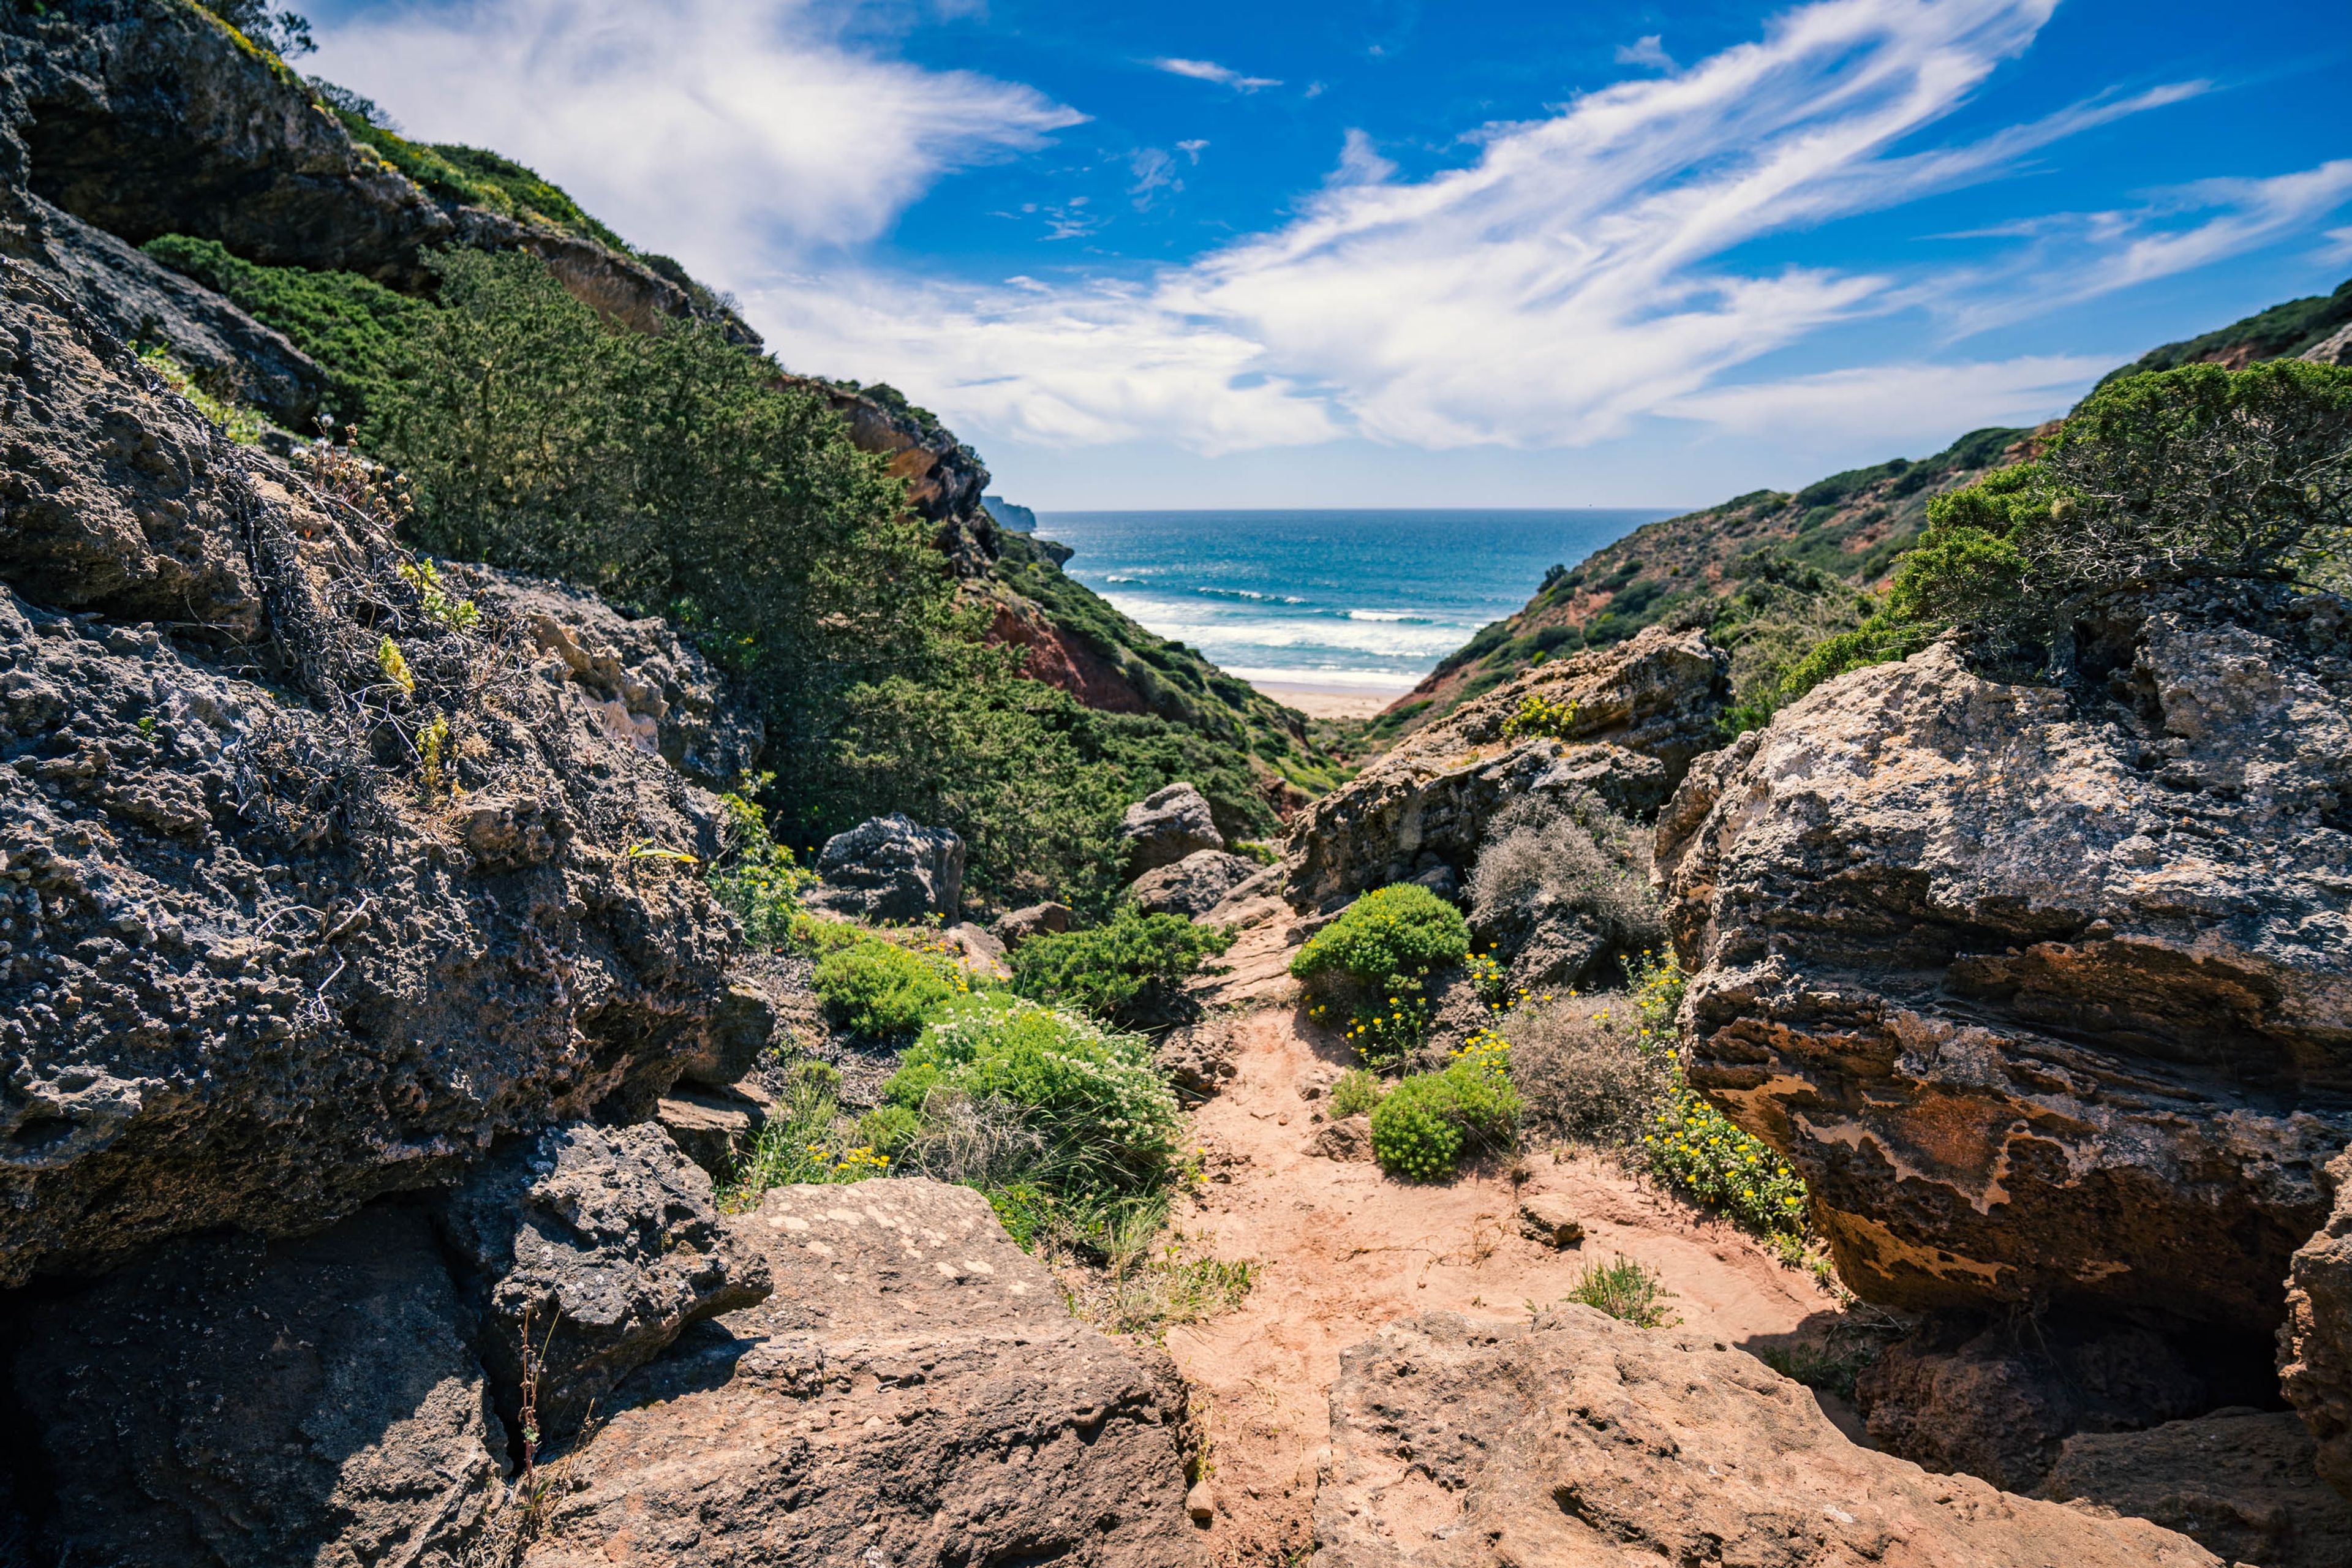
{"x": 1031, "y": 920}
{"x": 307, "y": 1404}
{"x": 890, "y": 868}
{"x": 715, "y": 1126}
{"x": 2044, "y": 994}
{"x": 1192, "y": 886}
{"x": 2334, "y": 349}
{"x": 1577, "y": 1439}
{"x": 1642, "y": 710}
{"x": 2314, "y": 1343}
{"x": 2238, "y": 1482}
{"x": 914, "y": 1392}
{"x": 588, "y": 1249}
{"x": 290, "y": 922}
{"x": 1165, "y": 827}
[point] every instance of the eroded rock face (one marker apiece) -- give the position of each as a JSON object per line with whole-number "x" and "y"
{"x": 1581, "y": 1442}
{"x": 1165, "y": 825}
{"x": 2314, "y": 1343}
{"x": 891, "y": 869}
{"x": 1643, "y": 712}
{"x": 1192, "y": 886}
{"x": 914, "y": 1393}
{"x": 306, "y": 1404}
{"x": 262, "y": 964}
{"x": 2238, "y": 1482}
{"x": 2047, "y": 1001}
{"x": 597, "y": 1245}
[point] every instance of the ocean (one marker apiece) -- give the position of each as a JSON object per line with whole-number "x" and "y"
{"x": 1364, "y": 601}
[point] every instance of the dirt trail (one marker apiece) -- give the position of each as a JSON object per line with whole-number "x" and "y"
{"x": 1344, "y": 1250}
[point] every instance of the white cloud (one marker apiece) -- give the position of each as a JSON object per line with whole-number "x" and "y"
{"x": 1210, "y": 70}
{"x": 1360, "y": 162}
{"x": 722, "y": 133}
{"x": 1647, "y": 51}
{"x": 1895, "y": 405}
{"x": 1192, "y": 149}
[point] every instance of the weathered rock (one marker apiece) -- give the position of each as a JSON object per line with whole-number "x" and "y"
{"x": 1550, "y": 1221}
{"x": 2238, "y": 1482}
{"x": 715, "y": 1125}
{"x": 2047, "y": 1002}
{"x": 1348, "y": 1138}
{"x": 890, "y": 868}
{"x": 978, "y": 950}
{"x": 914, "y": 1393}
{"x": 2334, "y": 349}
{"x": 1198, "y": 1057}
{"x": 1165, "y": 827}
{"x": 262, "y": 964}
{"x": 644, "y": 685}
{"x": 1036, "y": 919}
{"x": 1579, "y": 1440}
{"x": 1643, "y": 712}
{"x": 305, "y": 1404}
{"x": 2314, "y": 1343}
{"x": 1192, "y": 886}
{"x": 596, "y": 1246}
{"x": 1999, "y": 1400}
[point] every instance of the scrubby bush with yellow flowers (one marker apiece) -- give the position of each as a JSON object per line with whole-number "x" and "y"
{"x": 1372, "y": 965}
{"x": 1424, "y": 1127}
{"x": 1540, "y": 715}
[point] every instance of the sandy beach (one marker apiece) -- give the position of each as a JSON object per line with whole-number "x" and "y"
{"x": 1328, "y": 701}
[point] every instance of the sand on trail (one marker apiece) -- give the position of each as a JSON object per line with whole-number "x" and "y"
{"x": 1344, "y": 1250}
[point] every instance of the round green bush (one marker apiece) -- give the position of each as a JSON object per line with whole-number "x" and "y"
{"x": 1400, "y": 931}
{"x": 879, "y": 987}
{"x": 1129, "y": 972}
{"x": 1420, "y": 1128}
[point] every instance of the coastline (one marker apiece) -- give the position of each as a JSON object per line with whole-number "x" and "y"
{"x": 1320, "y": 701}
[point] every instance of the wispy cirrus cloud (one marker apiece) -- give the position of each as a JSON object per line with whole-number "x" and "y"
{"x": 1649, "y": 51}
{"x": 1210, "y": 70}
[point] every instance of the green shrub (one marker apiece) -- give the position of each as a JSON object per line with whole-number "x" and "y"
{"x": 1356, "y": 1094}
{"x": 875, "y": 987}
{"x": 1540, "y": 715}
{"x": 759, "y": 882}
{"x": 239, "y": 424}
{"x": 805, "y": 1139}
{"x": 1626, "y": 1290}
{"x": 1093, "y": 1092}
{"x": 1421, "y": 1127}
{"x": 1127, "y": 972}
{"x": 1376, "y": 959}
{"x": 889, "y": 1129}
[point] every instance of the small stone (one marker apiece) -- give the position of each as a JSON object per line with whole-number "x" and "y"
{"x": 1548, "y": 1220}
{"x": 1200, "y": 1502}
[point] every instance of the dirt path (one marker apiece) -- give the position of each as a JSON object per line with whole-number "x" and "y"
{"x": 1344, "y": 1250}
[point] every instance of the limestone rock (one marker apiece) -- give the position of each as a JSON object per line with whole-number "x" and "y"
{"x": 890, "y": 868}
{"x": 978, "y": 950}
{"x": 1348, "y": 1138}
{"x": 1036, "y": 919}
{"x": 2238, "y": 1482}
{"x": 913, "y": 1393}
{"x": 715, "y": 1125}
{"x": 257, "y": 974}
{"x": 1549, "y": 1220}
{"x": 1198, "y": 1059}
{"x": 2335, "y": 349}
{"x": 303, "y": 1405}
{"x": 601, "y": 1244}
{"x": 1644, "y": 710}
{"x": 2044, "y": 996}
{"x": 1192, "y": 886}
{"x": 1581, "y": 1442}
{"x": 1165, "y": 825}
{"x": 2314, "y": 1349}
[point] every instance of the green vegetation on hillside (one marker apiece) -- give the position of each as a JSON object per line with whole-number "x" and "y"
{"x": 2281, "y": 331}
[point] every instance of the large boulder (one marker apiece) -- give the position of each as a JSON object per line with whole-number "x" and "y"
{"x": 587, "y": 1249}
{"x": 914, "y": 1392}
{"x": 1576, "y": 1441}
{"x": 1642, "y": 710}
{"x": 285, "y": 931}
{"x": 1192, "y": 886}
{"x": 2238, "y": 1482}
{"x": 1031, "y": 920}
{"x": 891, "y": 869}
{"x": 2314, "y": 1343}
{"x": 1165, "y": 827}
{"x": 303, "y": 1405}
{"x": 2044, "y": 994}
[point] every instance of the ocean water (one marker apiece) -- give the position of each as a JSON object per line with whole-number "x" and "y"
{"x": 1364, "y": 600}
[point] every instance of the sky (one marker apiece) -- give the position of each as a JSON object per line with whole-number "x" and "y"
{"x": 1382, "y": 253}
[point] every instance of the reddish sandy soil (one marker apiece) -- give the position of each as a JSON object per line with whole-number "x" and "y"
{"x": 1344, "y": 1250}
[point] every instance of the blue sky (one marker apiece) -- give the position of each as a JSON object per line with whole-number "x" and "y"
{"x": 1385, "y": 253}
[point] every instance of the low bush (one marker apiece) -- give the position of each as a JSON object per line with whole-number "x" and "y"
{"x": 879, "y": 988}
{"x": 1540, "y": 715}
{"x": 1129, "y": 972}
{"x": 1356, "y": 1093}
{"x": 1627, "y": 1290}
{"x": 1570, "y": 858}
{"x": 1376, "y": 960}
{"x": 1423, "y": 1127}
{"x": 1580, "y": 1078}
{"x": 758, "y": 882}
